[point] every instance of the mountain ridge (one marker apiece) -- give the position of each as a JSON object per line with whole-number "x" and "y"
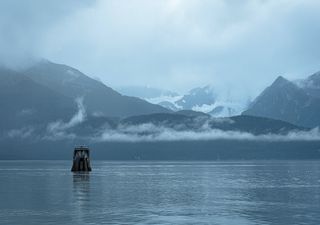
{"x": 284, "y": 100}
{"x": 97, "y": 97}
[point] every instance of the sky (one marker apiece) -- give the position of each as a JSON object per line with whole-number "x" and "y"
{"x": 238, "y": 47}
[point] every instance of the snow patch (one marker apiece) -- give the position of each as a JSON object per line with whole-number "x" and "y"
{"x": 204, "y": 108}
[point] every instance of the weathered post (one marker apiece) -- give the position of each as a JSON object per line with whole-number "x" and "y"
{"x": 81, "y": 159}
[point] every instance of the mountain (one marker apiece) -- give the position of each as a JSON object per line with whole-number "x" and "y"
{"x": 192, "y": 113}
{"x": 285, "y": 101}
{"x": 207, "y": 100}
{"x": 201, "y": 99}
{"x": 97, "y": 97}
{"x": 37, "y": 122}
{"x": 259, "y": 125}
{"x": 26, "y": 103}
{"x": 197, "y": 97}
{"x": 145, "y": 92}
{"x": 223, "y": 110}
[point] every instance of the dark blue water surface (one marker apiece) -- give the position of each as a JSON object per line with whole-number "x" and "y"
{"x": 273, "y": 192}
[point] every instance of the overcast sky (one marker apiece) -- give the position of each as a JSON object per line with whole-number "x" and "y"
{"x": 237, "y": 46}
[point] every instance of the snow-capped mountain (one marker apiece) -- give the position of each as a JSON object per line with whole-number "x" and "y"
{"x": 206, "y": 99}
{"x": 197, "y": 98}
{"x": 201, "y": 99}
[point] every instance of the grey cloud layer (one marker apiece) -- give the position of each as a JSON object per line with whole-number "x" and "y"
{"x": 24, "y": 24}
{"x": 238, "y": 46}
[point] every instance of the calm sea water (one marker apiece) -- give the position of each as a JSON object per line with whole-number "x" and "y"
{"x": 46, "y": 192}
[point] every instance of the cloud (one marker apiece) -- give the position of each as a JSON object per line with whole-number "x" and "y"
{"x": 166, "y": 131}
{"x": 229, "y": 44}
{"x": 23, "y": 25}
{"x": 58, "y": 129}
{"x": 21, "y": 133}
{"x": 238, "y": 46}
{"x": 152, "y": 133}
{"x": 26, "y": 112}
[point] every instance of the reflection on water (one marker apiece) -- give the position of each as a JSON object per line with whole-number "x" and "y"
{"x": 81, "y": 187}
{"x": 81, "y": 193}
{"x": 45, "y": 192}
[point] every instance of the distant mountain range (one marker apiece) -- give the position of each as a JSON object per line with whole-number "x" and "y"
{"x": 201, "y": 99}
{"x": 197, "y": 97}
{"x": 54, "y": 106}
{"x": 295, "y": 102}
{"x": 47, "y": 91}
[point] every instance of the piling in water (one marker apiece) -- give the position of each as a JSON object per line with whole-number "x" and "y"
{"x": 81, "y": 159}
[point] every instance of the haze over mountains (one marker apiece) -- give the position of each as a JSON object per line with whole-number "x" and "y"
{"x": 311, "y": 85}
{"x": 47, "y": 92}
{"x": 54, "y": 103}
{"x": 145, "y": 92}
{"x": 202, "y": 99}
{"x": 296, "y": 102}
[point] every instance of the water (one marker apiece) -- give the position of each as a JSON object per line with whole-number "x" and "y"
{"x": 274, "y": 192}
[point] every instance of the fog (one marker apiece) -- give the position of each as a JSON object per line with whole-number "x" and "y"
{"x": 58, "y": 129}
{"x": 150, "y": 132}
{"x": 237, "y": 46}
{"x": 156, "y": 133}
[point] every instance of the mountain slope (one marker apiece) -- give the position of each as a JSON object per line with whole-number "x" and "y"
{"x": 285, "y": 101}
{"x": 24, "y": 102}
{"x": 206, "y": 99}
{"x": 312, "y": 85}
{"x": 98, "y": 98}
{"x": 197, "y": 97}
{"x": 145, "y": 92}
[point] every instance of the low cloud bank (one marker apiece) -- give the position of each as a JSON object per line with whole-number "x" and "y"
{"x": 58, "y": 129}
{"x": 149, "y": 132}
{"x": 152, "y": 133}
